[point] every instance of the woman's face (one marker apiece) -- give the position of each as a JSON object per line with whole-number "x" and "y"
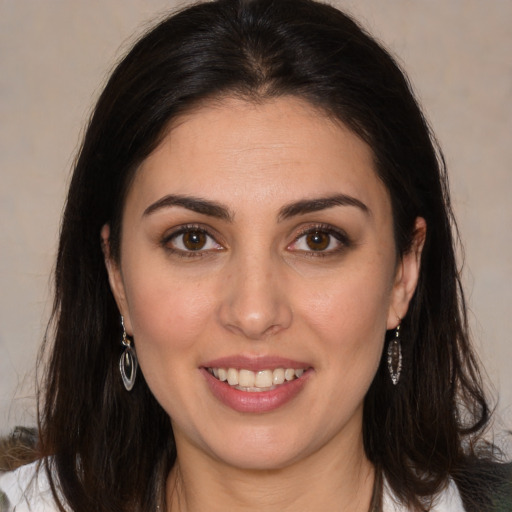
{"x": 257, "y": 245}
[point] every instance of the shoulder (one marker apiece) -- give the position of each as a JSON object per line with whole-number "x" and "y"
{"x": 482, "y": 487}
{"x": 26, "y": 489}
{"x": 448, "y": 500}
{"x": 486, "y": 486}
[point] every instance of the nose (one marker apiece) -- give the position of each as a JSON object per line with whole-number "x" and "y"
{"x": 254, "y": 302}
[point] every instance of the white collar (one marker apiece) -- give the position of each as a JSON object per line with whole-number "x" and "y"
{"x": 448, "y": 500}
{"x": 28, "y": 488}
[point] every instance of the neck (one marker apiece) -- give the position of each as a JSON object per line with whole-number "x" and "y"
{"x": 340, "y": 480}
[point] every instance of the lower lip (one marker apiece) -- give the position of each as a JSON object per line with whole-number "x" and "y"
{"x": 255, "y": 401}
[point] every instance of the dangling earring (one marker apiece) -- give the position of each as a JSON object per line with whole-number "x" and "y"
{"x": 395, "y": 356}
{"x": 128, "y": 363}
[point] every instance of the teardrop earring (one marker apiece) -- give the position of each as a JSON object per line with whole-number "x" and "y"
{"x": 395, "y": 356}
{"x": 128, "y": 363}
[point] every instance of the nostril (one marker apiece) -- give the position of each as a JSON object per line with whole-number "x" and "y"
{"x": 252, "y": 324}
{"x": 273, "y": 329}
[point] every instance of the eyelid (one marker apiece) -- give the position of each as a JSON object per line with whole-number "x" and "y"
{"x": 183, "y": 229}
{"x": 339, "y": 234}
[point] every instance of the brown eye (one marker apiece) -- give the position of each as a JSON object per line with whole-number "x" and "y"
{"x": 194, "y": 240}
{"x": 321, "y": 241}
{"x": 318, "y": 240}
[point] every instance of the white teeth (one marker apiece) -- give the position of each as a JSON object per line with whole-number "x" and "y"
{"x": 246, "y": 378}
{"x": 262, "y": 380}
{"x": 278, "y": 376}
{"x": 289, "y": 374}
{"x": 232, "y": 377}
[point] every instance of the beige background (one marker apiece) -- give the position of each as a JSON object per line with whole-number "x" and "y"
{"x": 56, "y": 54}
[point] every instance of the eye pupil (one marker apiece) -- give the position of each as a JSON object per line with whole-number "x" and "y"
{"x": 194, "y": 240}
{"x": 317, "y": 241}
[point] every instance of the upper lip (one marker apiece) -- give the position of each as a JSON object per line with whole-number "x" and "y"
{"x": 255, "y": 363}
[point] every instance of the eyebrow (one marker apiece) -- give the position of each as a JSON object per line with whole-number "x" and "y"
{"x": 314, "y": 205}
{"x": 217, "y": 210}
{"x": 196, "y": 204}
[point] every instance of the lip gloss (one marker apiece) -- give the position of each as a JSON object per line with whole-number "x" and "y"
{"x": 255, "y": 401}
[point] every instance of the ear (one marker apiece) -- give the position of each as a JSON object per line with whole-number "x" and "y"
{"x": 407, "y": 274}
{"x": 115, "y": 278}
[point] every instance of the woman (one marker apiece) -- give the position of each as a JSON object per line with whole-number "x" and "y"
{"x": 257, "y": 302}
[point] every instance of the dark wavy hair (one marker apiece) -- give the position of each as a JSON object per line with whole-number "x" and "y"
{"x": 111, "y": 450}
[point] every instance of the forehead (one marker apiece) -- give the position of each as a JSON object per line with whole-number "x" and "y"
{"x": 279, "y": 149}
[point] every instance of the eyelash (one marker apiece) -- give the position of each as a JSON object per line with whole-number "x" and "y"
{"x": 339, "y": 235}
{"x": 182, "y": 230}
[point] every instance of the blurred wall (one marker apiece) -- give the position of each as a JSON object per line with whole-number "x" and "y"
{"x": 55, "y": 55}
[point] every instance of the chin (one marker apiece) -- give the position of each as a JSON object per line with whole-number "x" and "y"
{"x": 264, "y": 449}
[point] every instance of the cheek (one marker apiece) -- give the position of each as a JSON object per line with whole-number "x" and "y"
{"x": 167, "y": 315}
{"x": 169, "y": 318}
{"x": 350, "y": 316}
{"x": 346, "y": 324}
{"x": 349, "y": 303}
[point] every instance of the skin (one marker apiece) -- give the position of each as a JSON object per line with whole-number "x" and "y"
{"x": 256, "y": 288}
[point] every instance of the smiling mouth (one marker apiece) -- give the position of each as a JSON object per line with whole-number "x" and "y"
{"x": 262, "y": 380}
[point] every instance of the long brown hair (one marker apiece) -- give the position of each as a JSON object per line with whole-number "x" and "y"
{"x": 111, "y": 450}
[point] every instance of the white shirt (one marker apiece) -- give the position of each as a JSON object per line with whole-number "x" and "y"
{"x": 28, "y": 490}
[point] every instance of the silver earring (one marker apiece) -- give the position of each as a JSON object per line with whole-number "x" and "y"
{"x": 128, "y": 363}
{"x": 395, "y": 357}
